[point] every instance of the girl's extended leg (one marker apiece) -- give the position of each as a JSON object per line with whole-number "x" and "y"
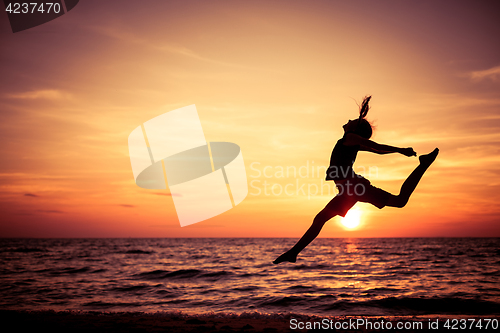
{"x": 332, "y": 209}
{"x": 412, "y": 181}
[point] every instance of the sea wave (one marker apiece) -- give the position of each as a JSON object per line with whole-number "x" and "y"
{"x": 332, "y": 277}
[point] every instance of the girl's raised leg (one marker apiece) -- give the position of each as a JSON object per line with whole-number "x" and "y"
{"x": 412, "y": 181}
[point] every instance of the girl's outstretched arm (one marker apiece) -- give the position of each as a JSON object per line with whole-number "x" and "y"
{"x": 374, "y": 147}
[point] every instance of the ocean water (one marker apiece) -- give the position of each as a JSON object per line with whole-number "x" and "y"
{"x": 377, "y": 276}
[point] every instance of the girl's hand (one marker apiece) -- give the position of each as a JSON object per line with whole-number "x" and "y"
{"x": 408, "y": 152}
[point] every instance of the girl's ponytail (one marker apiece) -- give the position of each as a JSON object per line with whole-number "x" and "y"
{"x": 363, "y": 111}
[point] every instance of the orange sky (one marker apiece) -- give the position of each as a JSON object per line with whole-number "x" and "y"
{"x": 279, "y": 78}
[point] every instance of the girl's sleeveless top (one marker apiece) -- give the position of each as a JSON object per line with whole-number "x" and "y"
{"x": 341, "y": 161}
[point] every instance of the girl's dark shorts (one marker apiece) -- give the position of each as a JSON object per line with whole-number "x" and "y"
{"x": 356, "y": 189}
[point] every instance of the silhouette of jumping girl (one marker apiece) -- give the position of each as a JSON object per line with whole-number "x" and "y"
{"x": 352, "y": 187}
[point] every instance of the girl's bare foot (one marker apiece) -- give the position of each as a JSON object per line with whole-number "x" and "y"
{"x": 285, "y": 257}
{"x": 427, "y": 160}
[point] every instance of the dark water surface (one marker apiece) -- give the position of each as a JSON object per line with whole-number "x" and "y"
{"x": 375, "y": 276}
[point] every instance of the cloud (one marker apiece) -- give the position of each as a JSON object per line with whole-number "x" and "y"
{"x": 50, "y": 211}
{"x": 127, "y": 206}
{"x": 165, "y": 48}
{"x": 50, "y": 94}
{"x": 166, "y": 194}
{"x": 31, "y": 195}
{"x": 492, "y": 74}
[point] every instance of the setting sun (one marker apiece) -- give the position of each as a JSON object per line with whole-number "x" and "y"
{"x": 351, "y": 219}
